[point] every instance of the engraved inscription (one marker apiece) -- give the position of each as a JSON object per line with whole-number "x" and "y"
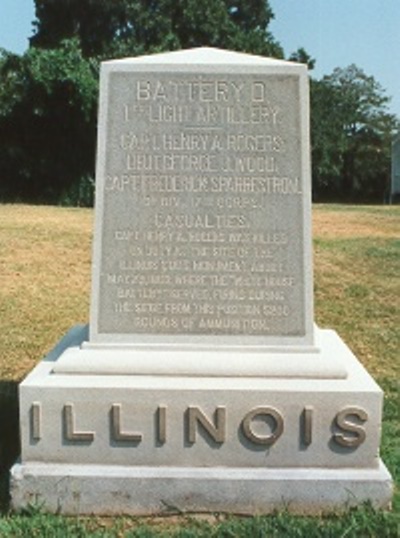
{"x": 308, "y": 421}
{"x": 262, "y": 426}
{"x": 203, "y": 188}
{"x": 36, "y": 421}
{"x": 161, "y": 427}
{"x": 265, "y": 414}
{"x": 70, "y": 433}
{"x": 117, "y": 433}
{"x": 350, "y": 420}
{"x": 216, "y": 430}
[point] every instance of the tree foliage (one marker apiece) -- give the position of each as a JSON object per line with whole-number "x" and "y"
{"x": 302, "y": 56}
{"x": 351, "y": 136}
{"x": 47, "y": 120}
{"x": 48, "y": 96}
{"x": 113, "y": 28}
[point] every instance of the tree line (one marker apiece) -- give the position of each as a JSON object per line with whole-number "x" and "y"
{"x": 48, "y": 95}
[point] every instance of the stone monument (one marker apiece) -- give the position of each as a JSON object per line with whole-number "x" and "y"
{"x": 202, "y": 383}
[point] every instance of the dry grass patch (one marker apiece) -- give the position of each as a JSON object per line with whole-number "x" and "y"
{"x": 357, "y": 280}
{"x": 344, "y": 222}
{"x": 45, "y": 261}
{"x": 45, "y": 257}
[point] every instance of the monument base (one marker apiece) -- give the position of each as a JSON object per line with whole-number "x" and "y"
{"x": 113, "y": 490}
{"x": 131, "y": 443}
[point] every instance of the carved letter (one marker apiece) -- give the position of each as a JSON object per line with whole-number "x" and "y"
{"x": 36, "y": 421}
{"x": 143, "y": 90}
{"x": 258, "y": 91}
{"x": 267, "y": 440}
{"x": 69, "y": 426}
{"x": 216, "y": 431}
{"x": 116, "y": 428}
{"x": 343, "y": 422}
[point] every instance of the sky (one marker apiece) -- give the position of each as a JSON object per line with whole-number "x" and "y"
{"x": 336, "y": 33}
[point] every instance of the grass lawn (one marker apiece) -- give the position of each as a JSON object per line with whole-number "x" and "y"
{"x": 45, "y": 264}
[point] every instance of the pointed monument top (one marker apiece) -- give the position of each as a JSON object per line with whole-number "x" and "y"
{"x": 206, "y": 56}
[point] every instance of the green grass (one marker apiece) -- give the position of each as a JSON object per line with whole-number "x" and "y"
{"x": 45, "y": 259}
{"x": 360, "y": 523}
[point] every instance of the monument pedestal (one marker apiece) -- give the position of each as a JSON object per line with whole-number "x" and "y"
{"x": 116, "y": 490}
{"x": 203, "y": 384}
{"x": 148, "y": 444}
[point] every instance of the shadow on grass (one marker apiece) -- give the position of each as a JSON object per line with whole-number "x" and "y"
{"x": 9, "y": 436}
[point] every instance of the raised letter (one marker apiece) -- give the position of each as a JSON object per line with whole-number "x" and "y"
{"x": 36, "y": 421}
{"x": 69, "y": 426}
{"x": 116, "y": 428}
{"x": 277, "y": 430}
{"x": 162, "y": 424}
{"x": 307, "y": 424}
{"x": 343, "y": 422}
{"x": 216, "y": 431}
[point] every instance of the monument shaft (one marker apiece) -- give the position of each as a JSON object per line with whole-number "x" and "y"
{"x": 198, "y": 172}
{"x": 202, "y": 383}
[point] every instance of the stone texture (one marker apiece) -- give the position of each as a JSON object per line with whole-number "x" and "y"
{"x": 134, "y": 444}
{"x": 203, "y": 384}
{"x": 140, "y": 397}
{"x": 203, "y": 201}
{"x": 317, "y": 362}
{"x": 94, "y": 489}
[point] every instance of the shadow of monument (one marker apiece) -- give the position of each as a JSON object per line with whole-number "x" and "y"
{"x": 9, "y": 436}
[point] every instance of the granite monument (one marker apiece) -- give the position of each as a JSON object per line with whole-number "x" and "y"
{"x": 202, "y": 382}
